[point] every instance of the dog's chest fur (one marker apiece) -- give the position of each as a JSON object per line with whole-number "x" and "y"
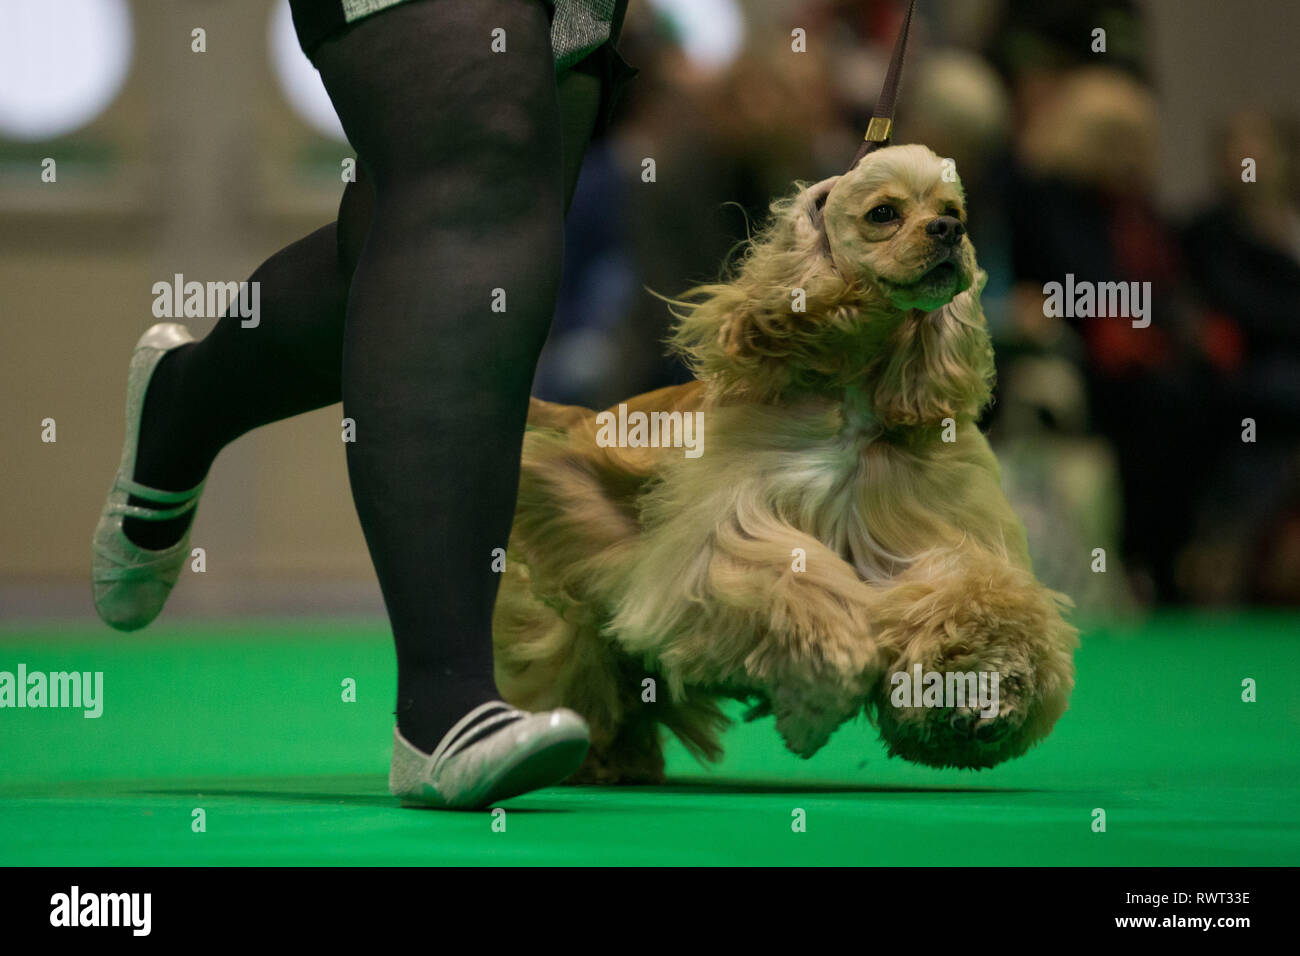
{"x": 807, "y": 464}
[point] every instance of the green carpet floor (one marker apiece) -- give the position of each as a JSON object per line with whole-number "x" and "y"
{"x": 247, "y": 722}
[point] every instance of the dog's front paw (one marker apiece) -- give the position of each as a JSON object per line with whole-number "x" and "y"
{"x": 982, "y": 678}
{"x": 978, "y": 730}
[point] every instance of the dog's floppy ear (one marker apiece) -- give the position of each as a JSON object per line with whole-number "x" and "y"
{"x": 938, "y": 368}
{"x": 743, "y": 333}
{"x": 814, "y": 198}
{"x": 761, "y": 322}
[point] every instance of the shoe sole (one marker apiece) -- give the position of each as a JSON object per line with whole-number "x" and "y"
{"x": 534, "y": 771}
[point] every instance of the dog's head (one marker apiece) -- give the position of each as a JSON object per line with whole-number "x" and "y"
{"x": 897, "y": 222}
{"x": 867, "y": 279}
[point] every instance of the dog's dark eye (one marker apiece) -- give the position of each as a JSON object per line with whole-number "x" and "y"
{"x": 883, "y": 213}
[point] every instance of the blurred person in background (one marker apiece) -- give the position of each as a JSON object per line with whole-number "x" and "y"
{"x": 1244, "y": 252}
{"x": 1084, "y": 207}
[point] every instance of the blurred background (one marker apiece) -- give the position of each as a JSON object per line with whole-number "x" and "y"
{"x": 1122, "y": 164}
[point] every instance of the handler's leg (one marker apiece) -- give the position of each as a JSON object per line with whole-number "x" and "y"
{"x": 449, "y": 307}
{"x": 204, "y": 396}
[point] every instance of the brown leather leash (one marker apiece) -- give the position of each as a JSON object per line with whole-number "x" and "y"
{"x": 881, "y": 126}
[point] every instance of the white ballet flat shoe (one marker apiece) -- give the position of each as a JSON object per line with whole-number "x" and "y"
{"x": 492, "y": 753}
{"x": 130, "y": 583}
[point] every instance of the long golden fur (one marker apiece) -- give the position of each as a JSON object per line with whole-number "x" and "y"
{"x": 843, "y": 523}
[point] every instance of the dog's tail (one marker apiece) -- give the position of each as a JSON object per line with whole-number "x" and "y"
{"x": 558, "y": 417}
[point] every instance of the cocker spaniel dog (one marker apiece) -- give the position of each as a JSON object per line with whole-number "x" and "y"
{"x": 814, "y": 525}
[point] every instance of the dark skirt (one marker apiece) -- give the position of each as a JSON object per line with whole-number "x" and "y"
{"x": 317, "y": 20}
{"x": 581, "y": 32}
{"x": 577, "y": 26}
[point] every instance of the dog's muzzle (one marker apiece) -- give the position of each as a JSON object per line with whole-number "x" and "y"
{"x": 946, "y": 229}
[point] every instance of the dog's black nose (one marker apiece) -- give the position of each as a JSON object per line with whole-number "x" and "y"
{"x": 947, "y": 229}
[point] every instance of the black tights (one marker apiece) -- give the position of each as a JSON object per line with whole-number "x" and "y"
{"x": 391, "y": 309}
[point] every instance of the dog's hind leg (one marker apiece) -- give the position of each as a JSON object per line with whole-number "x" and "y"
{"x": 633, "y": 755}
{"x": 545, "y": 659}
